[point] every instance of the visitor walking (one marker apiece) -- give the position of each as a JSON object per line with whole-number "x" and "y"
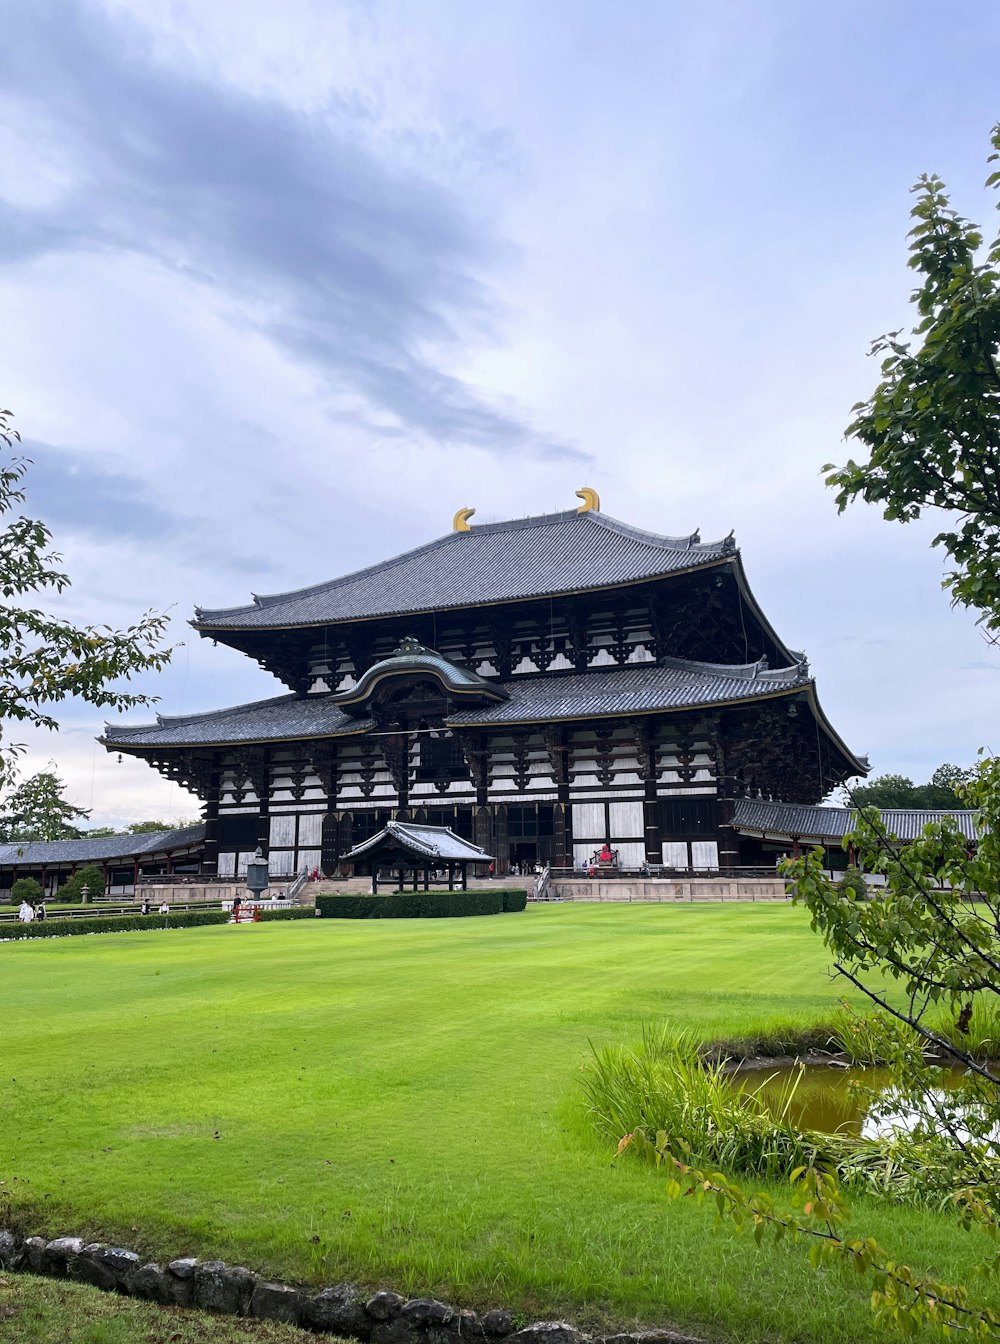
{"x": 26, "y": 913}
{"x": 237, "y": 906}
{"x": 164, "y": 908}
{"x": 40, "y": 909}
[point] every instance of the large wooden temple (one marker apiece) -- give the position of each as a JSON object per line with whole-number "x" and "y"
{"x": 543, "y": 687}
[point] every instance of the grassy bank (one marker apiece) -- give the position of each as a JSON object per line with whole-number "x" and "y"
{"x": 398, "y": 1102}
{"x": 38, "y": 1311}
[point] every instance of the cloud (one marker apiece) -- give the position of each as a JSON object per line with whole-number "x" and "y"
{"x": 81, "y": 497}
{"x": 368, "y": 271}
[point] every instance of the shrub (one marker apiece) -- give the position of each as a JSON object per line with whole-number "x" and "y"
{"x": 300, "y": 912}
{"x": 61, "y": 928}
{"x": 90, "y": 877}
{"x": 852, "y": 885}
{"x": 514, "y": 900}
{"x": 419, "y": 904}
{"x": 26, "y": 889}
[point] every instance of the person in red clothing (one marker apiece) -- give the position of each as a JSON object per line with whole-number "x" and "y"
{"x": 605, "y": 855}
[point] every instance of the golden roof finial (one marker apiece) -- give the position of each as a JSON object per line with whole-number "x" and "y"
{"x": 460, "y": 523}
{"x": 591, "y": 500}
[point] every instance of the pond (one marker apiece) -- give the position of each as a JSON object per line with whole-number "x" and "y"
{"x": 828, "y": 1099}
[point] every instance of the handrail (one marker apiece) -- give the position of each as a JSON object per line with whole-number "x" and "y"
{"x": 292, "y": 892}
{"x": 541, "y": 883}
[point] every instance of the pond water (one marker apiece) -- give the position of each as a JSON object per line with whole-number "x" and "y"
{"x": 828, "y": 1099}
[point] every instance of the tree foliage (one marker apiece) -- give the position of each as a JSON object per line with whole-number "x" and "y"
{"x": 45, "y": 659}
{"x": 37, "y": 810}
{"x": 91, "y": 877}
{"x": 895, "y": 791}
{"x": 932, "y": 426}
{"x": 26, "y": 889}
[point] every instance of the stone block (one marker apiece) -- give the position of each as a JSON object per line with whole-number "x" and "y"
{"x": 89, "y": 1267}
{"x": 548, "y": 1332}
{"x": 428, "y": 1311}
{"x": 10, "y": 1250}
{"x": 156, "y": 1284}
{"x": 121, "y": 1264}
{"x": 384, "y": 1306}
{"x": 497, "y": 1322}
{"x": 276, "y": 1302}
{"x": 340, "y": 1310}
{"x": 183, "y": 1268}
{"x": 59, "y": 1257}
{"x": 223, "y": 1288}
{"x": 33, "y": 1255}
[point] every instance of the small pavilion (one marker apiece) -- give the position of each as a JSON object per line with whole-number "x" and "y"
{"x": 424, "y": 851}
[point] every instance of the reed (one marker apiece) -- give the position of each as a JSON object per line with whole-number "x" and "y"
{"x": 665, "y": 1087}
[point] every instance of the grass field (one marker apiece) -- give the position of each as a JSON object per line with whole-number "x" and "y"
{"x": 398, "y": 1103}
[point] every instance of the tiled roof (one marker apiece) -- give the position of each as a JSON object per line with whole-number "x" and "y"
{"x": 671, "y": 683}
{"x": 285, "y": 717}
{"x": 638, "y": 688}
{"x": 425, "y": 842}
{"x": 100, "y": 849}
{"x": 495, "y": 562}
{"x": 833, "y": 823}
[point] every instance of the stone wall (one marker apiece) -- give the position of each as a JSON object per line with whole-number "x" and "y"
{"x": 344, "y": 1310}
{"x": 714, "y": 888}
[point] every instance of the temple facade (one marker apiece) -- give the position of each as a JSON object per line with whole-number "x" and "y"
{"x": 543, "y": 687}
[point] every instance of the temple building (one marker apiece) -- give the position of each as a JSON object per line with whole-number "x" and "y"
{"x": 543, "y": 687}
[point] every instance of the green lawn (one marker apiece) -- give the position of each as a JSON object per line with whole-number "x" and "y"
{"x": 396, "y": 1102}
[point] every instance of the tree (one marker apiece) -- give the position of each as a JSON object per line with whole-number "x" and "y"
{"x": 45, "y": 660}
{"x": 90, "y": 877}
{"x": 26, "y": 889}
{"x": 928, "y": 942}
{"x": 932, "y": 425}
{"x": 897, "y": 791}
{"x": 37, "y": 810}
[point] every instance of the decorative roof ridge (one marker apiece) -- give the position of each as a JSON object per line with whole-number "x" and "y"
{"x": 758, "y": 671}
{"x": 692, "y": 542}
{"x": 261, "y": 601}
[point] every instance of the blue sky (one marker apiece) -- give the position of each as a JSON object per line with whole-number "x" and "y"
{"x": 284, "y": 286}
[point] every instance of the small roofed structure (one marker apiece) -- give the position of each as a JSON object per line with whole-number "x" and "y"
{"x": 426, "y": 850}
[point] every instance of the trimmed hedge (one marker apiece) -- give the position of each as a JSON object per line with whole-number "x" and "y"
{"x": 61, "y": 928}
{"x": 421, "y": 904}
{"x": 299, "y": 912}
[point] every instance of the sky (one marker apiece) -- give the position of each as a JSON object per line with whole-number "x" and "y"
{"x": 285, "y": 286}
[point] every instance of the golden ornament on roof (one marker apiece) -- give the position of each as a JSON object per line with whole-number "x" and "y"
{"x": 460, "y": 523}
{"x": 591, "y": 500}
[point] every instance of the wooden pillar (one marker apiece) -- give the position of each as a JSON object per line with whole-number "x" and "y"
{"x": 427, "y": 877}
{"x": 210, "y": 854}
{"x": 727, "y": 838}
{"x": 482, "y": 827}
{"x": 557, "y": 745}
{"x": 451, "y": 877}
{"x": 502, "y": 841}
{"x": 261, "y": 781}
{"x": 465, "y": 877}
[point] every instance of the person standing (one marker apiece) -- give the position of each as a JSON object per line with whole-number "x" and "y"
{"x": 26, "y": 913}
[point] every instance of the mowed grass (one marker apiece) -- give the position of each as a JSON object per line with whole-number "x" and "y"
{"x": 397, "y": 1103}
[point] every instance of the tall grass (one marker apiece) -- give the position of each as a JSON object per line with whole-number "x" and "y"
{"x": 664, "y": 1087}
